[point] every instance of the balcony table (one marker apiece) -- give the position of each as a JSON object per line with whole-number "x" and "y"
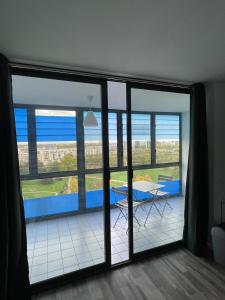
{"x": 148, "y": 187}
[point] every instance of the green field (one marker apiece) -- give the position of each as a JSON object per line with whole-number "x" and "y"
{"x": 57, "y": 186}
{"x": 43, "y": 187}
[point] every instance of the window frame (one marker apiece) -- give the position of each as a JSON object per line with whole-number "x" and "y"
{"x": 81, "y": 171}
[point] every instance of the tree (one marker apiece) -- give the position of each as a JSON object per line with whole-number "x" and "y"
{"x": 67, "y": 163}
{"x": 73, "y": 185}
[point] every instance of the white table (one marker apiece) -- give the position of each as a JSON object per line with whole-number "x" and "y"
{"x": 148, "y": 187}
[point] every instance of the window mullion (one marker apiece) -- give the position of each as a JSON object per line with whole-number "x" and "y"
{"x": 153, "y": 141}
{"x": 80, "y": 160}
{"x": 32, "y": 141}
{"x": 119, "y": 140}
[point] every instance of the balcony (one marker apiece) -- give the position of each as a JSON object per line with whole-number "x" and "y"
{"x": 67, "y": 243}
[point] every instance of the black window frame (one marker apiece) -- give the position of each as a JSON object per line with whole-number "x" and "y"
{"x": 59, "y": 73}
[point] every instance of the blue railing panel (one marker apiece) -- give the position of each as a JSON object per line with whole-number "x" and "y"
{"x": 53, "y": 205}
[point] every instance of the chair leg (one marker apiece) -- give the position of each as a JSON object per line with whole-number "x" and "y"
{"x": 159, "y": 212}
{"x": 166, "y": 203}
{"x": 117, "y": 219}
{"x": 123, "y": 216}
{"x": 164, "y": 207}
{"x": 135, "y": 210}
{"x": 137, "y": 220}
{"x": 148, "y": 214}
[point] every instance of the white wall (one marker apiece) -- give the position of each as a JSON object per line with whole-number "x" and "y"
{"x": 215, "y": 96}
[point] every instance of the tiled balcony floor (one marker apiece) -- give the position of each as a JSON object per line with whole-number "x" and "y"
{"x": 66, "y": 244}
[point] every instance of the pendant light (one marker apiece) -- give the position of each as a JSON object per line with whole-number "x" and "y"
{"x": 90, "y": 119}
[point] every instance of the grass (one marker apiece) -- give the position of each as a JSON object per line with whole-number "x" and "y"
{"x": 43, "y": 187}
{"x": 56, "y": 186}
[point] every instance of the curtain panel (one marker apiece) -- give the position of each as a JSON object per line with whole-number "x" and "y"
{"x": 14, "y": 276}
{"x": 196, "y": 198}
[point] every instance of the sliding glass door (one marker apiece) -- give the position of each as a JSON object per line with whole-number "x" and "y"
{"x": 63, "y": 157}
{"x": 156, "y": 163}
{"x": 103, "y": 169}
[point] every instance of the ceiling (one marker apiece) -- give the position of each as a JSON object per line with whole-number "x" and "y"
{"x": 176, "y": 40}
{"x": 41, "y": 91}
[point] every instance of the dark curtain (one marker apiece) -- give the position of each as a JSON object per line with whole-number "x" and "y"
{"x": 196, "y": 198}
{"x": 14, "y": 276}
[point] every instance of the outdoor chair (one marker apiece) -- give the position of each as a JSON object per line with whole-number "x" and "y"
{"x": 123, "y": 205}
{"x": 162, "y": 195}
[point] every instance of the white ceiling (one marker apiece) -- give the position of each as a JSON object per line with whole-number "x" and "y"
{"x": 180, "y": 40}
{"x": 30, "y": 90}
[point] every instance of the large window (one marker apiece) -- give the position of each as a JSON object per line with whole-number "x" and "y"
{"x": 48, "y": 139}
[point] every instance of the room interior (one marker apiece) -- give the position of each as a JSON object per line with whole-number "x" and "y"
{"x": 112, "y": 181}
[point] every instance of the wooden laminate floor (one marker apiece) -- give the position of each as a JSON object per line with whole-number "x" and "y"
{"x": 175, "y": 275}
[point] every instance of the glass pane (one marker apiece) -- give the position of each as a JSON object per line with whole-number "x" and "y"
{"x": 141, "y": 139}
{"x": 95, "y": 227}
{"x": 124, "y": 121}
{"x": 113, "y": 140}
{"x": 93, "y": 144}
{"x": 160, "y": 218}
{"x": 167, "y": 138}
{"x": 63, "y": 234}
{"x": 158, "y": 193}
{"x": 56, "y": 140}
{"x": 22, "y": 139}
{"x": 118, "y": 179}
{"x": 169, "y": 176}
{"x": 119, "y": 221}
{"x": 94, "y": 190}
{"x": 50, "y": 196}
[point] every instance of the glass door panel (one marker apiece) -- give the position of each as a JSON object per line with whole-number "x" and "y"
{"x": 118, "y": 175}
{"x": 157, "y": 164}
{"x": 61, "y": 166}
